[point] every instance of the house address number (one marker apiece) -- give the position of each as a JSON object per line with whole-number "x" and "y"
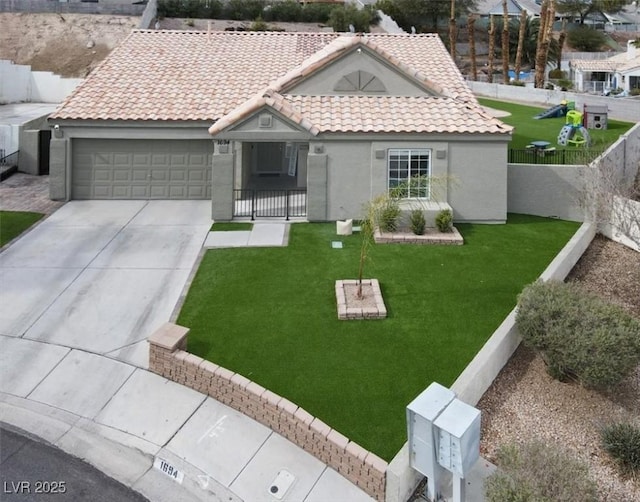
{"x": 168, "y": 469}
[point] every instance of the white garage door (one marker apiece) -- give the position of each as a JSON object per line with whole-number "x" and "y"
{"x": 141, "y": 169}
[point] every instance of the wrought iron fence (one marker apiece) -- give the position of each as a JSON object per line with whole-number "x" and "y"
{"x": 568, "y": 157}
{"x": 283, "y": 203}
{"x": 9, "y": 160}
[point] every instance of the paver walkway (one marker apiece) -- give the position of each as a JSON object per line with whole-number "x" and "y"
{"x": 80, "y": 294}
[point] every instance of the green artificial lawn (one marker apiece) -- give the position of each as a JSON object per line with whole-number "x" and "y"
{"x": 270, "y": 315}
{"x": 227, "y": 226}
{"x": 13, "y": 223}
{"x": 527, "y": 129}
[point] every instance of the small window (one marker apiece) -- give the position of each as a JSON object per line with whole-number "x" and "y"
{"x": 409, "y": 173}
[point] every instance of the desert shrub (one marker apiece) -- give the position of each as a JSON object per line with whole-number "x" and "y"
{"x": 388, "y": 215}
{"x": 635, "y": 91}
{"x": 578, "y": 335}
{"x": 417, "y": 222}
{"x": 556, "y": 73}
{"x": 444, "y": 220}
{"x": 243, "y": 9}
{"x": 344, "y": 15}
{"x": 622, "y": 442}
{"x": 288, "y": 11}
{"x": 316, "y": 12}
{"x": 533, "y": 472}
{"x": 189, "y": 8}
{"x": 583, "y": 38}
{"x": 518, "y": 83}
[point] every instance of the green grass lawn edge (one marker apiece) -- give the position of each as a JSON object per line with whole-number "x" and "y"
{"x": 13, "y": 223}
{"x": 270, "y": 315}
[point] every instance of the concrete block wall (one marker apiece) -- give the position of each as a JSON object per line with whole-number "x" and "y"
{"x": 121, "y": 9}
{"x": 18, "y": 84}
{"x": 168, "y": 357}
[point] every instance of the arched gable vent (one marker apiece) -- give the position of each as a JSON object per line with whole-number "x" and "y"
{"x": 359, "y": 81}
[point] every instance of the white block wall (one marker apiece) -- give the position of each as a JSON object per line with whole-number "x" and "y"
{"x": 18, "y": 84}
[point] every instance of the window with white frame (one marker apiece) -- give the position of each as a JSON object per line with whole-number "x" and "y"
{"x": 409, "y": 171}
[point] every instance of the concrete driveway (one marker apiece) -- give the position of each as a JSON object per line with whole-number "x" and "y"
{"x": 101, "y": 276}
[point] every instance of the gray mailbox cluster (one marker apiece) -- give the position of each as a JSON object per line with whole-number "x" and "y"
{"x": 443, "y": 431}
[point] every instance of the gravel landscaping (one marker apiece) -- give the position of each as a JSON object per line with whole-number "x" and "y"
{"x": 524, "y": 402}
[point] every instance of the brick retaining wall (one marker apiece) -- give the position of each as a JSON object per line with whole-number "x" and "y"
{"x": 168, "y": 357}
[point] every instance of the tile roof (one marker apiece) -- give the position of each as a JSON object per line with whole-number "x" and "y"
{"x": 200, "y": 76}
{"x": 366, "y": 113}
{"x": 619, "y": 62}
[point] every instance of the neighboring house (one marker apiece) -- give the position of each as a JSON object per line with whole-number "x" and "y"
{"x": 189, "y": 115}
{"x": 514, "y": 8}
{"x": 621, "y": 71}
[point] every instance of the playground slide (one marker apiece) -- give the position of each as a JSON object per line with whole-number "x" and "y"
{"x": 550, "y": 113}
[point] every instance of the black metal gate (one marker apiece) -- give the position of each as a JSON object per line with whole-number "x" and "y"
{"x": 270, "y": 203}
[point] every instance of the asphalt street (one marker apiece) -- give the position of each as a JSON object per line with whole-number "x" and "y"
{"x": 31, "y": 470}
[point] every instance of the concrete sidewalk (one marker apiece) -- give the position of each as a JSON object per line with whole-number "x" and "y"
{"x": 81, "y": 292}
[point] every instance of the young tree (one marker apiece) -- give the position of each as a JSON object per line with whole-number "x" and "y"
{"x": 611, "y": 199}
{"x": 521, "y": 33}
{"x": 505, "y": 42}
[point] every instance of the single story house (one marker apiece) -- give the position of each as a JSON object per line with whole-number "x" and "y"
{"x": 331, "y": 119}
{"x": 621, "y": 71}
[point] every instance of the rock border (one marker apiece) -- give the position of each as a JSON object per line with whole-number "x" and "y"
{"x": 431, "y": 236}
{"x": 346, "y": 312}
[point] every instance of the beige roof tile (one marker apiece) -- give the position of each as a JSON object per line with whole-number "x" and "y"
{"x": 199, "y": 76}
{"x": 377, "y": 114}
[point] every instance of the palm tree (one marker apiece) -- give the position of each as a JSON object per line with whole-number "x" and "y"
{"x": 471, "y": 28}
{"x": 452, "y": 30}
{"x": 521, "y": 32}
{"x": 561, "y": 39}
{"x": 492, "y": 43}
{"x": 505, "y": 42}
{"x": 547, "y": 15}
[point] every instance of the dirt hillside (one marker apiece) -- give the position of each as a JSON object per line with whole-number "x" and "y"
{"x": 70, "y": 45}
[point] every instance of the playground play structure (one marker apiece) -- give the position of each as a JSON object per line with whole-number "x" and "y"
{"x": 573, "y": 132}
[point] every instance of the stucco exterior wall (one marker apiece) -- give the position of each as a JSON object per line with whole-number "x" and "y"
{"x": 323, "y": 82}
{"x": 357, "y": 172}
{"x": 478, "y": 184}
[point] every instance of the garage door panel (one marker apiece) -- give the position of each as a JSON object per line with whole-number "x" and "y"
{"x": 141, "y": 159}
{"x": 121, "y": 175}
{"x": 141, "y": 169}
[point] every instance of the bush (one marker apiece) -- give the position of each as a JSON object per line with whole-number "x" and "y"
{"x": 444, "y": 220}
{"x": 316, "y": 12}
{"x": 622, "y": 442}
{"x": 344, "y": 15}
{"x": 417, "y": 222}
{"x": 635, "y": 91}
{"x": 288, "y": 11}
{"x": 389, "y": 214}
{"x": 556, "y": 73}
{"x": 577, "y": 334}
{"x": 533, "y": 472}
{"x": 518, "y": 83}
{"x": 583, "y": 38}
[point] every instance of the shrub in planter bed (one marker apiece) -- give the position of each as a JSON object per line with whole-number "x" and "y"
{"x": 533, "y": 472}
{"x": 417, "y": 222}
{"x": 578, "y": 335}
{"x": 444, "y": 220}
